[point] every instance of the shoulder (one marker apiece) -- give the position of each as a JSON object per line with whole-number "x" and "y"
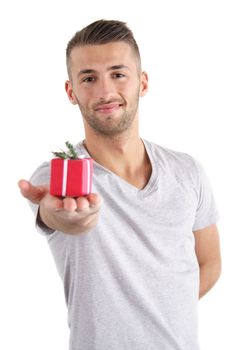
{"x": 171, "y": 157}
{"x": 173, "y": 162}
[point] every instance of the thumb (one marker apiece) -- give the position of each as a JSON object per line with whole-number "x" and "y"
{"x": 33, "y": 193}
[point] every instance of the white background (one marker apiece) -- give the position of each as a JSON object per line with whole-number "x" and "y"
{"x": 186, "y": 48}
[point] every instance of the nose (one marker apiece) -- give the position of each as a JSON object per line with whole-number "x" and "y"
{"x": 105, "y": 89}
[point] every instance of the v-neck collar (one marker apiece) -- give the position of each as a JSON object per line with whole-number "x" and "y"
{"x": 152, "y": 182}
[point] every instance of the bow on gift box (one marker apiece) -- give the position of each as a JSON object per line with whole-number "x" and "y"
{"x": 71, "y": 174}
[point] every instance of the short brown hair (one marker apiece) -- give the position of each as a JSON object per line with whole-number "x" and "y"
{"x": 102, "y": 32}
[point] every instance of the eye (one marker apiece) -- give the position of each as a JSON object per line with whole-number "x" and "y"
{"x": 88, "y": 80}
{"x": 118, "y": 75}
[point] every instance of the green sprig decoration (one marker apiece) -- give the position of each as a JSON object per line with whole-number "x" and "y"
{"x": 70, "y": 154}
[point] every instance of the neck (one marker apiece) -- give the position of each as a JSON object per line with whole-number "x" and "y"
{"x": 124, "y": 155}
{"x": 118, "y": 151}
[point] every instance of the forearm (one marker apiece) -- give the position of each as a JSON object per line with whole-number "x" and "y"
{"x": 209, "y": 274}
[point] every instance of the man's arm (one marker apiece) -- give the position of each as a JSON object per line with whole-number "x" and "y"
{"x": 207, "y": 249}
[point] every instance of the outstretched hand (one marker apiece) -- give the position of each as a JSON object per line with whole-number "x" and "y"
{"x": 69, "y": 215}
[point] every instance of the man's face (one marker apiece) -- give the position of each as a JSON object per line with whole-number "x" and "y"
{"x": 106, "y": 84}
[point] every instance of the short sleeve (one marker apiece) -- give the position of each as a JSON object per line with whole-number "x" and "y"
{"x": 206, "y": 211}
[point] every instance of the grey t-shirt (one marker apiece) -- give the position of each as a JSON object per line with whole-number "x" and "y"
{"x": 132, "y": 282}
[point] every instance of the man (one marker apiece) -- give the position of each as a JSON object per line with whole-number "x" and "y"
{"x": 136, "y": 255}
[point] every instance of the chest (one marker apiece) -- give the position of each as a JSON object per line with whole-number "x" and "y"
{"x": 139, "y": 177}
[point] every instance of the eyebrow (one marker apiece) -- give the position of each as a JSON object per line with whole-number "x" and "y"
{"x": 91, "y": 71}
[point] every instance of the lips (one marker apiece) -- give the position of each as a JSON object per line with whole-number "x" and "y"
{"x": 108, "y": 108}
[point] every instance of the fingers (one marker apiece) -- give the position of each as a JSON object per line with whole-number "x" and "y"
{"x": 82, "y": 204}
{"x": 52, "y": 203}
{"x": 79, "y": 204}
{"x": 69, "y": 204}
{"x": 33, "y": 193}
{"x": 92, "y": 201}
{"x": 95, "y": 200}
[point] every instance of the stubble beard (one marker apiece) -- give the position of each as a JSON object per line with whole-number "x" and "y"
{"x": 108, "y": 126}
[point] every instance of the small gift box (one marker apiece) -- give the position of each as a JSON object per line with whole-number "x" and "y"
{"x": 70, "y": 174}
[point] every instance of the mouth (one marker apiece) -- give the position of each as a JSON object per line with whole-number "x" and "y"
{"x": 109, "y": 108}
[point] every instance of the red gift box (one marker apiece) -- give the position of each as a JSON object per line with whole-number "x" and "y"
{"x": 71, "y": 177}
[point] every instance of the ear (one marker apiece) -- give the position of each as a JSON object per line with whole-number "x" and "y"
{"x": 143, "y": 84}
{"x": 70, "y": 93}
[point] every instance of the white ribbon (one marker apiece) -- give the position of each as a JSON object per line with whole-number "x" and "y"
{"x": 88, "y": 166}
{"x": 64, "y": 178}
{"x": 65, "y": 172}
